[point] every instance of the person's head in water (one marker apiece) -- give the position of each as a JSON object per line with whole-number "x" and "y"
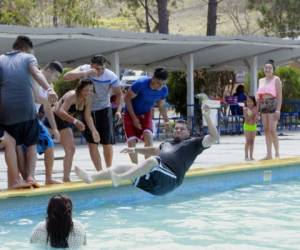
{"x": 159, "y": 78}
{"x": 52, "y": 71}
{"x": 59, "y": 221}
{"x": 181, "y": 130}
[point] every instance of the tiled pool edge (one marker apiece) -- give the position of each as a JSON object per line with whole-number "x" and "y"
{"x": 238, "y": 169}
{"x": 16, "y": 204}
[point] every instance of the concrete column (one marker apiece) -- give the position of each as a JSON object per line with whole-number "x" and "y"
{"x": 253, "y": 75}
{"x": 190, "y": 85}
{"x": 116, "y": 63}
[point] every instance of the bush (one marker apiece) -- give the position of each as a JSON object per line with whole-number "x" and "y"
{"x": 61, "y": 87}
{"x": 210, "y": 82}
{"x": 290, "y": 77}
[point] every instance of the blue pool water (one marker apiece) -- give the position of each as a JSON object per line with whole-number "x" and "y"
{"x": 254, "y": 217}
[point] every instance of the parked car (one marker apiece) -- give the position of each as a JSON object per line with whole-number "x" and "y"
{"x": 129, "y": 76}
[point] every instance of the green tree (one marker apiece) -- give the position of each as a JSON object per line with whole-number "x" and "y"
{"x": 69, "y": 13}
{"x": 210, "y": 82}
{"x": 290, "y": 78}
{"x": 16, "y": 12}
{"x": 72, "y": 13}
{"x": 155, "y": 15}
{"x": 278, "y": 17}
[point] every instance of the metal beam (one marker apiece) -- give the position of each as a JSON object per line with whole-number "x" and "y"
{"x": 190, "y": 86}
{"x": 243, "y": 57}
{"x": 116, "y": 63}
{"x": 152, "y": 64}
{"x": 253, "y": 75}
{"x": 105, "y": 53}
{"x": 46, "y": 43}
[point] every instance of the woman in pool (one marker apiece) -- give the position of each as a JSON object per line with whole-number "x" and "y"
{"x": 71, "y": 109}
{"x": 269, "y": 96}
{"x": 59, "y": 230}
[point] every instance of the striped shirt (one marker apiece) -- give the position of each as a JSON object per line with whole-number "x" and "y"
{"x": 102, "y": 87}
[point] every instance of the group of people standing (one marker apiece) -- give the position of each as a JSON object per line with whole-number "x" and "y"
{"x": 24, "y": 88}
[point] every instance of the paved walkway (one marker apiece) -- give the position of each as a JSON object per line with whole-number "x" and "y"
{"x": 230, "y": 150}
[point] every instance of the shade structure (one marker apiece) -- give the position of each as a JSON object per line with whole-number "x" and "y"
{"x": 147, "y": 50}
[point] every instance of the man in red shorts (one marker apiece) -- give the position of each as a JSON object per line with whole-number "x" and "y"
{"x": 139, "y": 100}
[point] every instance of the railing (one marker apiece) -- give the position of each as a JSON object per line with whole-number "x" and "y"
{"x": 229, "y": 124}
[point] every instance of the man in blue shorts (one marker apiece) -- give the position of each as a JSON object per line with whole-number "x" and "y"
{"x": 165, "y": 171}
{"x": 140, "y": 99}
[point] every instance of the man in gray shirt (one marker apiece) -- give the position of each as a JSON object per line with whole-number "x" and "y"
{"x": 104, "y": 81}
{"x": 18, "y": 115}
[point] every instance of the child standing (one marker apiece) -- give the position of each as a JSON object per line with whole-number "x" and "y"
{"x": 250, "y": 114}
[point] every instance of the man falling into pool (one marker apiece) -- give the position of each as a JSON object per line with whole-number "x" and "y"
{"x": 165, "y": 169}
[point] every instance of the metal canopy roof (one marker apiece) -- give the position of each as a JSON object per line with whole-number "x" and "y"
{"x": 147, "y": 50}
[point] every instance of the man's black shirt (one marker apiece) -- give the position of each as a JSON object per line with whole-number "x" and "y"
{"x": 179, "y": 155}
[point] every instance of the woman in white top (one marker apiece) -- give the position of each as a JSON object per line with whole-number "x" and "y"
{"x": 59, "y": 230}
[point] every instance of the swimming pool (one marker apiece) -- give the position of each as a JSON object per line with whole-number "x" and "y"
{"x": 206, "y": 212}
{"x": 255, "y": 217}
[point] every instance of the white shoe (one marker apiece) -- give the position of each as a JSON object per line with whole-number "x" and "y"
{"x": 83, "y": 175}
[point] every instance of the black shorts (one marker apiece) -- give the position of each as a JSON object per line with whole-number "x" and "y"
{"x": 103, "y": 121}
{"x": 25, "y": 133}
{"x": 159, "y": 181}
{"x": 1, "y": 132}
{"x": 61, "y": 124}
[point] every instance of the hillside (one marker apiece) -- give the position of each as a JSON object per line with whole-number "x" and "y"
{"x": 189, "y": 18}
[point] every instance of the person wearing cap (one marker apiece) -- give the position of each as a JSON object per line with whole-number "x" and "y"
{"x": 105, "y": 82}
{"x": 140, "y": 99}
{"x": 18, "y": 115}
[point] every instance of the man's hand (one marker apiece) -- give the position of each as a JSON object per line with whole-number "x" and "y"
{"x": 128, "y": 151}
{"x": 96, "y": 136}
{"x": 91, "y": 72}
{"x": 52, "y": 96}
{"x": 56, "y": 135}
{"x": 137, "y": 123}
{"x": 205, "y": 110}
{"x": 118, "y": 117}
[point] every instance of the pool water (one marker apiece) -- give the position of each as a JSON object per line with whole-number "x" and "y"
{"x": 255, "y": 217}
